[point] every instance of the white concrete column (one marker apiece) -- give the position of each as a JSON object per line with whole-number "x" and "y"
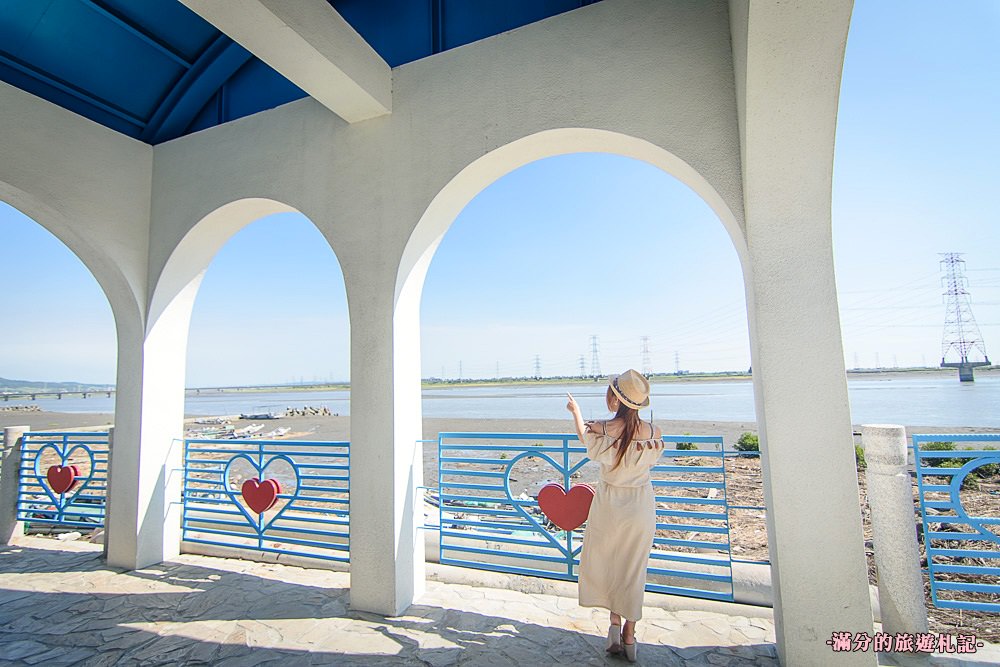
{"x": 387, "y": 549}
{"x": 144, "y": 505}
{"x": 819, "y": 573}
{"x": 897, "y": 556}
{"x": 10, "y": 477}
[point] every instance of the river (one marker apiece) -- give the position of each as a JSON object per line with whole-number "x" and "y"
{"x": 924, "y": 400}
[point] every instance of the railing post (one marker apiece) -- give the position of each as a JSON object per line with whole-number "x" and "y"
{"x": 107, "y": 491}
{"x": 10, "y": 478}
{"x": 897, "y": 557}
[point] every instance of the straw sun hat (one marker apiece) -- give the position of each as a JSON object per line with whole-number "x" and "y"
{"x": 631, "y": 388}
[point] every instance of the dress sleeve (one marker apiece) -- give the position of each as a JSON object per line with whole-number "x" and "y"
{"x": 651, "y": 451}
{"x": 598, "y": 447}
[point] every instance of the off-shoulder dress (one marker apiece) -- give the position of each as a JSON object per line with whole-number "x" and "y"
{"x": 620, "y": 525}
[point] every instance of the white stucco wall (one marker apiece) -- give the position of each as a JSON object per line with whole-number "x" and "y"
{"x": 88, "y": 185}
{"x": 653, "y": 78}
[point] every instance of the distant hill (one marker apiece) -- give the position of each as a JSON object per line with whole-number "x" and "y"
{"x": 36, "y": 385}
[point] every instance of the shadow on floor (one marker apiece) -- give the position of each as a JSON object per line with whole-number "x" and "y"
{"x": 179, "y": 613}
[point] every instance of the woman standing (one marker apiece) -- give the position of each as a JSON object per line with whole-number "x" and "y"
{"x": 622, "y": 517}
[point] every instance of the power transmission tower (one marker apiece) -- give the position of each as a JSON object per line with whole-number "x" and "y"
{"x": 961, "y": 333}
{"x": 459, "y": 370}
{"x": 645, "y": 355}
{"x": 595, "y": 359}
{"x": 583, "y": 367}
{"x": 677, "y": 363}
{"x": 538, "y": 367}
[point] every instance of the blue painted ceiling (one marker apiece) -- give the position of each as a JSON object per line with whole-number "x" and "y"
{"x": 154, "y": 70}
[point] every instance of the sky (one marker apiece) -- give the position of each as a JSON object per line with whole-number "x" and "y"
{"x": 599, "y": 245}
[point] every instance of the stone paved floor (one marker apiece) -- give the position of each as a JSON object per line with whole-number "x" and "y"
{"x": 60, "y": 605}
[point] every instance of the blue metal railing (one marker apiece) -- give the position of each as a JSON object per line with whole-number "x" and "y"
{"x": 957, "y": 542}
{"x": 310, "y": 515}
{"x": 486, "y": 524}
{"x": 63, "y": 479}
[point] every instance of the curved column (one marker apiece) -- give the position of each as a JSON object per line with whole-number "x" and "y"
{"x": 788, "y": 65}
{"x": 144, "y": 513}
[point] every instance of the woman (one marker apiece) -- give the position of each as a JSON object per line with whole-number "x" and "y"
{"x": 622, "y": 516}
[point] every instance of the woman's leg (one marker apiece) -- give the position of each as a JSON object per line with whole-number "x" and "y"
{"x": 628, "y": 632}
{"x": 615, "y": 619}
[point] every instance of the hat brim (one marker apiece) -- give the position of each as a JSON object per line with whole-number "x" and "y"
{"x": 625, "y": 401}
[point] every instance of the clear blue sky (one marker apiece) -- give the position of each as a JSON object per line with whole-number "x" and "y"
{"x": 519, "y": 274}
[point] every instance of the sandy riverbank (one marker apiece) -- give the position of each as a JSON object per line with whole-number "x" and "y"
{"x": 316, "y": 427}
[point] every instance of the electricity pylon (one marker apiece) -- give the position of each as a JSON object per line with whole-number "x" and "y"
{"x": 961, "y": 333}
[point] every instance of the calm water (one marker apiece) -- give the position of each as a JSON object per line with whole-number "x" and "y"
{"x": 939, "y": 401}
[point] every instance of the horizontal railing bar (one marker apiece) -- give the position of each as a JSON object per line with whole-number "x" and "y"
{"x": 269, "y": 454}
{"x": 524, "y": 525}
{"x": 500, "y": 448}
{"x": 478, "y": 499}
{"x": 695, "y": 469}
{"x": 967, "y": 587}
{"x": 972, "y": 537}
{"x": 680, "y": 500}
{"x": 952, "y": 437}
{"x": 255, "y": 443}
{"x": 472, "y": 473}
{"x": 710, "y": 516}
{"x": 968, "y": 606}
{"x": 494, "y": 462}
{"x": 473, "y": 487}
{"x": 935, "y": 552}
{"x": 481, "y": 511}
{"x": 693, "y": 528}
{"x": 967, "y": 569}
{"x": 688, "y": 485}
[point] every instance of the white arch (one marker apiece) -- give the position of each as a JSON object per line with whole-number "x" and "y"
{"x": 145, "y": 523}
{"x": 474, "y": 178}
{"x": 116, "y": 288}
{"x": 189, "y": 260}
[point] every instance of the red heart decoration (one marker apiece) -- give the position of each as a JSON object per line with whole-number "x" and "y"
{"x": 566, "y": 510}
{"x": 261, "y": 496}
{"x": 62, "y": 478}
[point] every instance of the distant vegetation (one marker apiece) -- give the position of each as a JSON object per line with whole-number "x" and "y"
{"x": 748, "y": 442}
{"x": 27, "y": 386}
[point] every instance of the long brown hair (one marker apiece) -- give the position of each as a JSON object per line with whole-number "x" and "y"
{"x": 630, "y": 426}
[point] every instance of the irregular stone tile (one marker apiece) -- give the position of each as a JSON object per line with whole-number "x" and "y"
{"x": 439, "y": 656}
{"x": 23, "y": 648}
{"x": 62, "y": 656}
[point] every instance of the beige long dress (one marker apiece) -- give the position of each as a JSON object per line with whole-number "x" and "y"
{"x": 620, "y": 526}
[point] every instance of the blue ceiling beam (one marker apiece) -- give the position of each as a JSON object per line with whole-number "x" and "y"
{"x": 137, "y": 32}
{"x": 186, "y": 98}
{"x": 68, "y": 89}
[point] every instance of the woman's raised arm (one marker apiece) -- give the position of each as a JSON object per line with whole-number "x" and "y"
{"x": 574, "y": 410}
